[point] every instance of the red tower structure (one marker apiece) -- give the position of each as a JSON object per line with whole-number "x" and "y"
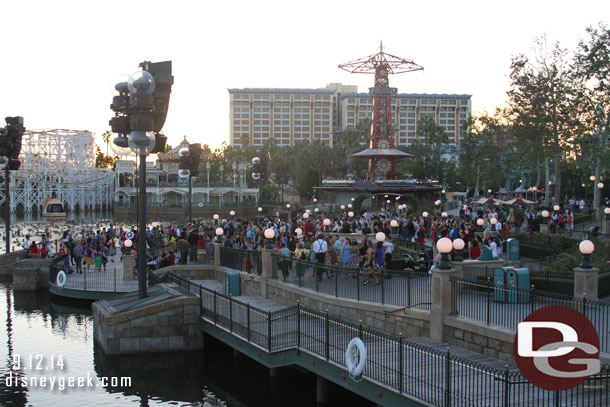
{"x": 381, "y": 152}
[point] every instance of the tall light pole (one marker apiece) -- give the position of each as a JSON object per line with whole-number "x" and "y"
{"x": 234, "y": 166}
{"x": 207, "y": 167}
{"x": 256, "y": 175}
{"x": 140, "y": 108}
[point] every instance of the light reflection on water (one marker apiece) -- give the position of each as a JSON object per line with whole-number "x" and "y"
{"x": 35, "y": 325}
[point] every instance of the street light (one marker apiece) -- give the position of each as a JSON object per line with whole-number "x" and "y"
{"x": 592, "y": 178}
{"x": 437, "y": 202}
{"x": 394, "y": 223}
{"x": 556, "y": 208}
{"x": 380, "y": 237}
{"x": 444, "y": 214}
{"x": 586, "y": 247}
{"x": 349, "y": 206}
{"x": 305, "y": 215}
{"x": 425, "y": 214}
{"x": 342, "y": 207}
{"x": 444, "y": 247}
{"x": 607, "y": 212}
{"x": 287, "y": 206}
{"x": 298, "y": 231}
{"x": 208, "y": 166}
{"x": 269, "y": 235}
{"x": 256, "y": 175}
{"x": 232, "y": 213}
{"x": 219, "y": 232}
{"x": 350, "y": 214}
{"x": 600, "y": 185}
{"x": 458, "y": 245}
{"x": 494, "y": 222}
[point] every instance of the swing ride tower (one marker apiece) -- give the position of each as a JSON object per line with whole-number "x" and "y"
{"x": 381, "y": 152}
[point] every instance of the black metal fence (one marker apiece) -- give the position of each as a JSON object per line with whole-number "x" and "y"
{"x": 393, "y": 287}
{"x": 504, "y": 306}
{"x": 90, "y": 278}
{"x": 560, "y": 282}
{"x": 435, "y": 377}
{"x": 248, "y": 261}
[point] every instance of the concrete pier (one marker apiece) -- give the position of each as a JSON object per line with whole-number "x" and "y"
{"x": 165, "y": 321}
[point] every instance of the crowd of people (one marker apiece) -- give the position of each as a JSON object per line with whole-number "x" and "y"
{"x": 319, "y": 239}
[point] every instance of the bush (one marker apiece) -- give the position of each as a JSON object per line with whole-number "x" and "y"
{"x": 582, "y": 217}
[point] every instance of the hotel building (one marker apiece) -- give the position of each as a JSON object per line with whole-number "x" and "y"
{"x": 290, "y": 116}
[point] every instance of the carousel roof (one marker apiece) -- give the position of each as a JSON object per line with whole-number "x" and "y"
{"x": 173, "y": 154}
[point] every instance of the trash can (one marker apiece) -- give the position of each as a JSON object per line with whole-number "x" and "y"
{"x": 512, "y": 249}
{"x": 231, "y": 283}
{"x": 500, "y": 283}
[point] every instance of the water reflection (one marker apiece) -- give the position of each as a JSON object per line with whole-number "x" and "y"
{"x": 39, "y": 324}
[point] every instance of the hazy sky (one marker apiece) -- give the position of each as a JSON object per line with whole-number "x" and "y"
{"x": 59, "y": 58}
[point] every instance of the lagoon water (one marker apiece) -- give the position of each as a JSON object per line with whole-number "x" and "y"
{"x": 41, "y": 328}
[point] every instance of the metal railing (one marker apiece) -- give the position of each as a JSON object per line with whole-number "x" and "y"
{"x": 434, "y": 377}
{"x": 504, "y": 306}
{"x": 90, "y": 279}
{"x": 248, "y": 261}
{"x": 392, "y": 287}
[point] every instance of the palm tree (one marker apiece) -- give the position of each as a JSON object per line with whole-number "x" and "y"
{"x": 106, "y": 138}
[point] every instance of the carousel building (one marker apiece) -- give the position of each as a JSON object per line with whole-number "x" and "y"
{"x": 165, "y": 189}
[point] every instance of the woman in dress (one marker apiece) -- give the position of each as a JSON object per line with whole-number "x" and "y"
{"x": 301, "y": 254}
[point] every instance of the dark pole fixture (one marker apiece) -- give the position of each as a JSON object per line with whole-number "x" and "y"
{"x": 10, "y": 147}
{"x": 140, "y": 108}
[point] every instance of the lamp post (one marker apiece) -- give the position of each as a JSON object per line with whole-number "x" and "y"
{"x": 219, "y": 232}
{"x": 380, "y": 237}
{"x": 480, "y": 223}
{"x": 586, "y": 247}
{"x": 234, "y": 167}
{"x": 256, "y": 175}
{"x": 458, "y": 245}
{"x": 444, "y": 246}
{"x": 394, "y": 226}
{"x": 607, "y": 213}
{"x": 207, "y": 167}
{"x": 269, "y": 235}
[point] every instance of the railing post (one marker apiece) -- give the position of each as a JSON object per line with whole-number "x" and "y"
{"x": 114, "y": 275}
{"x": 230, "y": 313}
{"x": 358, "y": 284}
{"x": 269, "y": 330}
{"x": 298, "y": 327}
{"x": 337, "y": 282}
{"x": 215, "y": 313}
{"x": 382, "y": 290}
{"x": 408, "y": 291}
{"x": 532, "y": 296}
{"x": 401, "y": 366}
{"x": 248, "y": 319}
{"x": 506, "y": 387}
{"x": 488, "y": 300}
{"x": 360, "y": 329}
{"x": 85, "y": 279}
{"x": 200, "y": 302}
{"x": 327, "y": 352}
{"x": 448, "y": 378}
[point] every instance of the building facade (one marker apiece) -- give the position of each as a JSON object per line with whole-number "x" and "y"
{"x": 290, "y": 116}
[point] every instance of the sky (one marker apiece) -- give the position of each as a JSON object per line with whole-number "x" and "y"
{"x": 60, "y": 58}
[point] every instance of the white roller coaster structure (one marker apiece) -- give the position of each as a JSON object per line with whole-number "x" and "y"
{"x": 59, "y": 163}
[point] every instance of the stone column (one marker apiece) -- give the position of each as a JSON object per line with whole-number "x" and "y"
{"x": 585, "y": 283}
{"x": 441, "y": 302}
{"x": 267, "y": 271}
{"x": 605, "y": 226}
{"x": 217, "y": 254}
{"x": 544, "y": 228}
{"x": 128, "y": 267}
{"x": 321, "y": 390}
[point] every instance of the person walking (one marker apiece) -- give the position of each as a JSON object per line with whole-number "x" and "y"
{"x": 78, "y": 258}
{"x": 320, "y": 247}
{"x": 301, "y": 254}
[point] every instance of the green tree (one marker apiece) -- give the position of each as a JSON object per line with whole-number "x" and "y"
{"x": 102, "y": 160}
{"x": 592, "y": 76}
{"x": 541, "y": 97}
